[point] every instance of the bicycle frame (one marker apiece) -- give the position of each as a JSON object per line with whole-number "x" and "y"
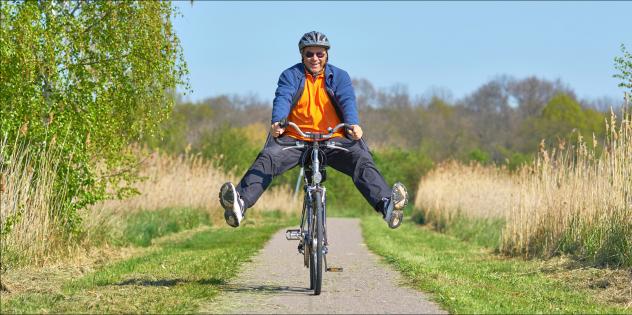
{"x": 312, "y": 233}
{"x": 309, "y": 213}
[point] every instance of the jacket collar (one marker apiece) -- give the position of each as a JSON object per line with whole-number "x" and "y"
{"x": 328, "y": 72}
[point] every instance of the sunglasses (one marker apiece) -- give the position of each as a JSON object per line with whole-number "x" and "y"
{"x": 309, "y": 54}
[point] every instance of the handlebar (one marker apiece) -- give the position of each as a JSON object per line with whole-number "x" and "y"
{"x": 313, "y": 135}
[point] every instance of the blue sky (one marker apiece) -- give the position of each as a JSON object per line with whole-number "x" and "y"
{"x": 242, "y": 47}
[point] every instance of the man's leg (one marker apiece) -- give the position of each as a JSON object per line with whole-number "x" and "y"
{"x": 358, "y": 163}
{"x": 270, "y": 162}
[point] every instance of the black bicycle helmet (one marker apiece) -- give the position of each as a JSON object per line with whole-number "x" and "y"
{"x": 313, "y": 38}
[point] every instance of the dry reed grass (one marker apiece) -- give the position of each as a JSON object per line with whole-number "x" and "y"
{"x": 178, "y": 182}
{"x": 582, "y": 200}
{"x": 477, "y": 191}
{"x": 571, "y": 199}
{"x": 29, "y": 233}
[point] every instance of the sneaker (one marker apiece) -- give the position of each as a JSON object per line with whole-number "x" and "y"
{"x": 393, "y": 213}
{"x": 232, "y": 204}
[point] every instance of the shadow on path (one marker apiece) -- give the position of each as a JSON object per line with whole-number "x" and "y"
{"x": 267, "y": 289}
{"x": 169, "y": 282}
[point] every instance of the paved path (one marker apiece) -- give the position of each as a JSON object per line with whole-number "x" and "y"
{"x": 277, "y": 282}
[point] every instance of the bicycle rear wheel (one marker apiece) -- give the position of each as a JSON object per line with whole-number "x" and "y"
{"x": 319, "y": 233}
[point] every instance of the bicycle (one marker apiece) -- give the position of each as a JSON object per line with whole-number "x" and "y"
{"x": 312, "y": 233}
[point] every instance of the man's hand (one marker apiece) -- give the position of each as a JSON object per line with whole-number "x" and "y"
{"x": 355, "y": 132}
{"x": 276, "y": 130}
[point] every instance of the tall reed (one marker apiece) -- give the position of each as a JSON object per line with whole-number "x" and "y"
{"x": 180, "y": 181}
{"x": 29, "y": 229}
{"x": 452, "y": 189}
{"x": 580, "y": 201}
{"x": 571, "y": 199}
{"x": 30, "y": 232}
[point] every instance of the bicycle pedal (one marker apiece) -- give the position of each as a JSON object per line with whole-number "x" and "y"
{"x": 334, "y": 269}
{"x": 293, "y": 235}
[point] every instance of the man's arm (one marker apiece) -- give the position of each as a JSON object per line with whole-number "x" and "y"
{"x": 347, "y": 101}
{"x": 283, "y": 96}
{"x": 346, "y": 98}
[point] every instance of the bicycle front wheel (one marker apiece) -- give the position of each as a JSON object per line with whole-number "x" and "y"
{"x": 312, "y": 270}
{"x": 319, "y": 234}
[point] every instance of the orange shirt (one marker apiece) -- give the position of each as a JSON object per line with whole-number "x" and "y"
{"x": 314, "y": 111}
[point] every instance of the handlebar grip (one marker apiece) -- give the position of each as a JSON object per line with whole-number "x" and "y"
{"x": 283, "y": 122}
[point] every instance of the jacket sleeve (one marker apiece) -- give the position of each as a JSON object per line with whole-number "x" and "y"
{"x": 283, "y": 96}
{"x": 347, "y": 99}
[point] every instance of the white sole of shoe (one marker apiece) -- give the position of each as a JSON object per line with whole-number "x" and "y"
{"x": 232, "y": 211}
{"x": 400, "y": 196}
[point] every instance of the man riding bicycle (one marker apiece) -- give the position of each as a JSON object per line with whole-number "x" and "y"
{"x": 315, "y": 96}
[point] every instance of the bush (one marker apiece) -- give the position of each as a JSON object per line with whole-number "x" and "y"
{"x": 229, "y": 149}
{"x": 405, "y": 166}
{"x": 478, "y": 155}
{"x": 88, "y": 78}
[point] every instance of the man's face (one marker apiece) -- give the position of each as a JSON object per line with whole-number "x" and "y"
{"x": 315, "y": 58}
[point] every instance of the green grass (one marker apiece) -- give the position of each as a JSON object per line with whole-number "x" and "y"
{"x": 466, "y": 278}
{"x": 602, "y": 243}
{"x": 481, "y": 231}
{"x": 142, "y": 227}
{"x": 173, "y": 276}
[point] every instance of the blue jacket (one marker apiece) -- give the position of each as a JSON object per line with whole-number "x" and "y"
{"x": 337, "y": 82}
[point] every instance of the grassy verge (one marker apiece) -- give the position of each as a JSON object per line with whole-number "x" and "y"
{"x": 142, "y": 227}
{"x": 173, "y": 275}
{"x": 466, "y": 278}
{"x": 139, "y": 228}
{"x": 480, "y": 231}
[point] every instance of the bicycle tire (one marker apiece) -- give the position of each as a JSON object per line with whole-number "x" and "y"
{"x": 318, "y": 207}
{"x": 309, "y": 248}
{"x": 312, "y": 271}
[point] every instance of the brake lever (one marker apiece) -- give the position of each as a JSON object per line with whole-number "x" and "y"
{"x": 298, "y": 145}
{"x": 333, "y": 145}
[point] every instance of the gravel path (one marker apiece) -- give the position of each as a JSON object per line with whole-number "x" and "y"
{"x": 277, "y": 282}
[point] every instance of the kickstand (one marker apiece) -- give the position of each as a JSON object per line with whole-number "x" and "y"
{"x": 331, "y": 269}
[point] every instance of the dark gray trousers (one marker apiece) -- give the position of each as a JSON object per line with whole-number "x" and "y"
{"x": 273, "y": 160}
